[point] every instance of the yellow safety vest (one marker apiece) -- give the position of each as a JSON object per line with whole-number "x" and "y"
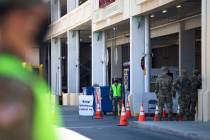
{"x": 117, "y": 90}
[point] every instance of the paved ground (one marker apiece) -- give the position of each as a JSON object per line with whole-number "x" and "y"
{"x": 107, "y": 128}
{"x": 190, "y": 129}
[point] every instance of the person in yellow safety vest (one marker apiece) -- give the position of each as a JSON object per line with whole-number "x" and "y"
{"x": 25, "y": 99}
{"x": 116, "y": 96}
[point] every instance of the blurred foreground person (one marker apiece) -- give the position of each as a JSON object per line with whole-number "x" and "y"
{"x": 25, "y": 109}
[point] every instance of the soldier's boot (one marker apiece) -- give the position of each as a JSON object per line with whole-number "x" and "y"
{"x": 185, "y": 117}
{"x": 115, "y": 114}
{"x": 160, "y": 116}
{"x": 170, "y": 116}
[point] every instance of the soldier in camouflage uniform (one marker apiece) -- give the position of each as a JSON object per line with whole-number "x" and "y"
{"x": 196, "y": 84}
{"x": 184, "y": 88}
{"x": 163, "y": 92}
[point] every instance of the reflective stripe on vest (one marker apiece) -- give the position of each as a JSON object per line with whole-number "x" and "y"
{"x": 117, "y": 89}
{"x": 43, "y": 123}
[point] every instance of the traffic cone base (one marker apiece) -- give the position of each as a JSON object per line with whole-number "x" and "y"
{"x": 98, "y": 112}
{"x": 128, "y": 111}
{"x": 156, "y": 117}
{"x": 98, "y": 115}
{"x": 164, "y": 114}
{"x": 142, "y": 117}
{"x": 123, "y": 118}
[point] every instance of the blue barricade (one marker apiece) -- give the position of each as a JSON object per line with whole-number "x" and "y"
{"x": 106, "y": 103}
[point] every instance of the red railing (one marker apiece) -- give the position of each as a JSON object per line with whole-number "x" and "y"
{"x": 104, "y": 3}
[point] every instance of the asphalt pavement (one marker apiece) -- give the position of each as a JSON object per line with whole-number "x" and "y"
{"x": 107, "y": 129}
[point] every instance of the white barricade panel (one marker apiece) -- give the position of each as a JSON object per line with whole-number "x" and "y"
{"x": 86, "y": 105}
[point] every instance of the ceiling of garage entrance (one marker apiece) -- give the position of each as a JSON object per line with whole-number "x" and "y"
{"x": 184, "y": 9}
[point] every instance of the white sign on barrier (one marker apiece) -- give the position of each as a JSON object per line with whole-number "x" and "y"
{"x": 86, "y": 105}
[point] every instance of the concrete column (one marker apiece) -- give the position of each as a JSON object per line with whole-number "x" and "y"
{"x": 73, "y": 61}
{"x": 49, "y": 65}
{"x": 181, "y": 28}
{"x": 204, "y": 95}
{"x": 71, "y": 5}
{"x": 186, "y": 49}
{"x": 137, "y": 50}
{"x": 56, "y": 66}
{"x": 98, "y": 58}
{"x": 55, "y": 10}
{"x": 147, "y": 54}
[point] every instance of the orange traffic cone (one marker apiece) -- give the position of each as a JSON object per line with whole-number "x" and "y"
{"x": 142, "y": 117}
{"x": 128, "y": 111}
{"x": 179, "y": 117}
{"x": 123, "y": 118}
{"x": 98, "y": 112}
{"x": 156, "y": 118}
{"x": 164, "y": 114}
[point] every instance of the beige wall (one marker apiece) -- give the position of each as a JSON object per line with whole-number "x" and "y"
{"x": 104, "y": 17}
{"x": 143, "y": 6}
{"x": 72, "y": 20}
{"x": 112, "y": 14}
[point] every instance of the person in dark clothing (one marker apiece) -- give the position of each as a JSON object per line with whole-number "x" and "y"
{"x": 170, "y": 74}
{"x": 116, "y": 96}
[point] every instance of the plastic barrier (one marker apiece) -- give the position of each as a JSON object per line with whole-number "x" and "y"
{"x": 106, "y": 103}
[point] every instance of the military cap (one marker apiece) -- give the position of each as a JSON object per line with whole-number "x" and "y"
{"x": 184, "y": 72}
{"x": 164, "y": 70}
{"x": 196, "y": 72}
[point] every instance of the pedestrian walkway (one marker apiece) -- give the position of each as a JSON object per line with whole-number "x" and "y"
{"x": 189, "y": 129}
{"x": 66, "y": 134}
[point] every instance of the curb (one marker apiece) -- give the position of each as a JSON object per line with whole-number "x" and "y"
{"x": 169, "y": 131}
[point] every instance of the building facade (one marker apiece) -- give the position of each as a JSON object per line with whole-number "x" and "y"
{"x": 93, "y": 41}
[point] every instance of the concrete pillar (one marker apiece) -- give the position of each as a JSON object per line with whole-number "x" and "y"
{"x": 186, "y": 49}
{"x": 147, "y": 54}
{"x": 73, "y": 61}
{"x": 56, "y": 66}
{"x": 55, "y": 10}
{"x": 49, "y": 65}
{"x": 204, "y": 94}
{"x": 137, "y": 50}
{"x": 98, "y": 58}
{"x": 72, "y": 4}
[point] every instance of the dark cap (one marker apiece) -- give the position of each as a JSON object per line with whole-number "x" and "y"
{"x": 164, "y": 70}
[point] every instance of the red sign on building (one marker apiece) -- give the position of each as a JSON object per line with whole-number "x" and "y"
{"x": 104, "y": 3}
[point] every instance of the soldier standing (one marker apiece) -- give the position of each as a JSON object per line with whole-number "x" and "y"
{"x": 196, "y": 84}
{"x": 163, "y": 92}
{"x": 184, "y": 88}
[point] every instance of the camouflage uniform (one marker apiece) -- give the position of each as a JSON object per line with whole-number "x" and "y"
{"x": 196, "y": 84}
{"x": 163, "y": 92}
{"x": 184, "y": 88}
